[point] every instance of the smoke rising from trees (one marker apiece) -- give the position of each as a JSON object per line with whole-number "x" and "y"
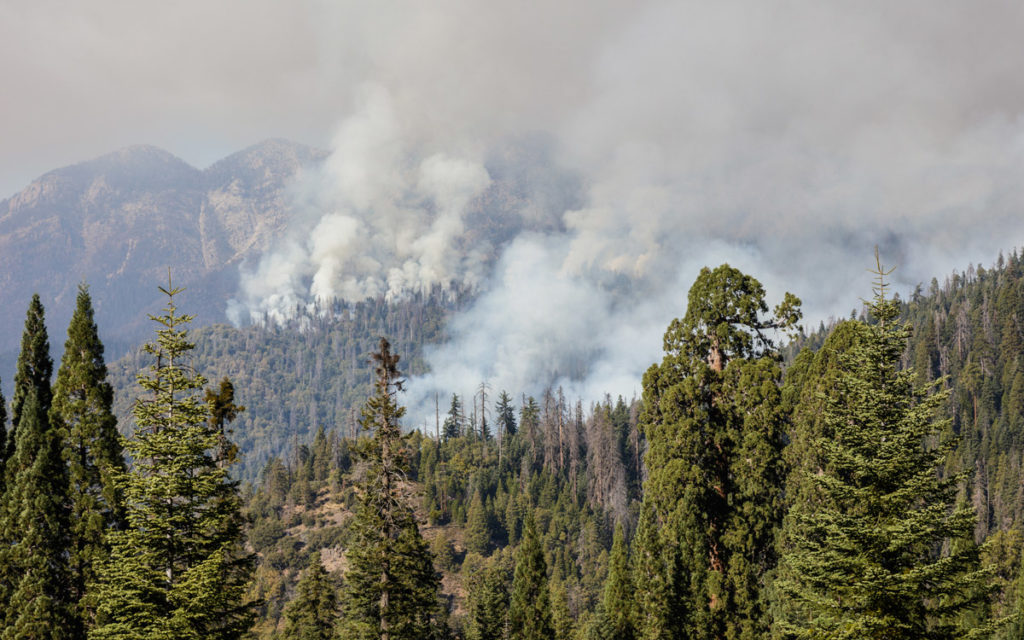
{"x": 783, "y": 138}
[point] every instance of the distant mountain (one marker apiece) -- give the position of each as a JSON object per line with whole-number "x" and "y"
{"x": 118, "y": 222}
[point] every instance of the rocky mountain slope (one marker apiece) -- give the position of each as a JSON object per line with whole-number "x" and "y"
{"x": 118, "y": 222}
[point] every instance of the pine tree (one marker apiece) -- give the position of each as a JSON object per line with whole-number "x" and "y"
{"x": 529, "y": 613}
{"x": 860, "y": 555}
{"x": 391, "y": 586}
{"x": 35, "y": 601}
{"x": 715, "y": 423}
{"x": 313, "y": 613}
{"x": 81, "y": 409}
{"x": 178, "y": 569}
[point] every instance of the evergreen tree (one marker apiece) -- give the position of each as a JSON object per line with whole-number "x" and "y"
{"x": 178, "y": 569}
{"x": 506, "y": 415}
{"x": 34, "y": 369}
{"x": 715, "y": 423}
{"x": 81, "y": 409}
{"x": 488, "y": 604}
{"x": 861, "y": 556}
{"x": 617, "y": 603}
{"x": 3, "y": 441}
{"x": 561, "y": 618}
{"x": 453, "y": 420}
{"x": 657, "y": 614}
{"x": 391, "y": 587}
{"x": 478, "y": 528}
{"x": 223, "y": 410}
{"x": 313, "y": 613}
{"x": 35, "y": 600}
{"x": 33, "y": 516}
{"x": 529, "y": 613}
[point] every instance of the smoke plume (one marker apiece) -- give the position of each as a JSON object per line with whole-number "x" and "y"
{"x": 784, "y": 138}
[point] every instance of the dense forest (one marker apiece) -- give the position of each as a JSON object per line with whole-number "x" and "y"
{"x": 308, "y": 373}
{"x": 861, "y": 481}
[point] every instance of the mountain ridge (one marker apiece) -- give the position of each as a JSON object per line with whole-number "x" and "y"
{"x": 120, "y": 220}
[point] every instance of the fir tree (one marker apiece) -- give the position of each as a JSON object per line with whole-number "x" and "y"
{"x": 506, "y": 415}
{"x": 178, "y": 569}
{"x": 34, "y": 369}
{"x": 33, "y": 516}
{"x": 488, "y": 604}
{"x": 313, "y": 613}
{"x": 478, "y": 529}
{"x": 715, "y": 422}
{"x": 453, "y": 420}
{"x": 35, "y": 600}
{"x": 860, "y": 555}
{"x": 657, "y": 614}
{"x": 391, "y": 587}
{"x": 617, "y": 603}
{"x": 82, "y": 400}
{"x": 529, "y": 613}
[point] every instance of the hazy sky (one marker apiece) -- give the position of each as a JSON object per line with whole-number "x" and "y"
{"x": 787, "y": 137}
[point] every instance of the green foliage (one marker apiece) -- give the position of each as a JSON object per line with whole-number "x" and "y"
{"x": 81, "y": 410}
{"x": 618, "y": 601}
{"x": 529, "y": 613}
{"x": 716, "y": 422}
{"x": 478, "y": 529}
{"x": 489, "y": 602}
{"x": 313, "y": 613}
{"x": 454, "y": 420}
{"x": 657, "y": 614}
{"x": 506, "y": 415}
{"x": 860, "y": 555}
{"x": 34, "y": 368}
{"x": 391, "y": 587}
{"x": 178, "y": 570}
{"x": 35, "y": 599}
{"x": 309, "y": 373}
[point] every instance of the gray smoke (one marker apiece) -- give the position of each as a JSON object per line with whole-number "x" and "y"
{"x": 785, "y": 138}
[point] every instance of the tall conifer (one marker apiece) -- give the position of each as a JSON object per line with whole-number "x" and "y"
{"x": 34, "y": 595}
{"x": 488, "y": 602}
{"x": 529, "y": 615}
{"x": 82, "y": 400}
{"x": 34, "y": 369}
{"x": 862, "y": 546}
{"x": 313, "y": 613}
{"x": 715, "y": 423}
{"x": 391, "y": 587}
{"x": 178, "y": 570}
{"x": 618, "y": 591}
{"x": 35, "y": 601}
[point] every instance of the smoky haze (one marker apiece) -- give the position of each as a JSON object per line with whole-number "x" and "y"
{"x": 785, "y": 138}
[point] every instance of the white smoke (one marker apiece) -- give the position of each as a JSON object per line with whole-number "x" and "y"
{"x": 785, "y": 138}
{"x": 383, "y": 217}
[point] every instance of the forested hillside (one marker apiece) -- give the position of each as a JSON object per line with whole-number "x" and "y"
{"x": 968, "y": 333}
{"x": 738, "y": 498}
{"x": 307, "y": 374}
